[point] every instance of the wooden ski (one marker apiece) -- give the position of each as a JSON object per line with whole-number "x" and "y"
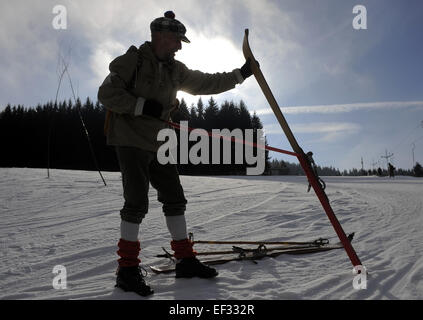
{"x": 249, "y": 255}
{"x": 302, "y": 157}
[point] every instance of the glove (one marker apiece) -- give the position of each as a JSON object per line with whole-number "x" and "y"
{"x": 246, "y": 68}
{"x": 152, "y": 108}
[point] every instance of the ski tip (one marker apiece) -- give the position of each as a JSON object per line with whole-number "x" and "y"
{"x": 162, "y": 269}
{"x": 246, "y": 31}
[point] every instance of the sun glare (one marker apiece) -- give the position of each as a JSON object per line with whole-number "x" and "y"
{"x": 210, "y": 55}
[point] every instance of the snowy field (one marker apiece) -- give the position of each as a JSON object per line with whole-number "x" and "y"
{"x": 72, "y": 220}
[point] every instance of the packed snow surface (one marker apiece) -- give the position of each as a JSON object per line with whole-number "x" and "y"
{"x": 71, "y": 219}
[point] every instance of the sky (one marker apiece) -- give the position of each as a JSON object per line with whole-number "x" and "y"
{"x": 350, "y": 95}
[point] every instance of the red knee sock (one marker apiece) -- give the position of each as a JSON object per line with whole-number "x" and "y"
{"x": 183, "y": 248}
{"x": 128, "y": 253}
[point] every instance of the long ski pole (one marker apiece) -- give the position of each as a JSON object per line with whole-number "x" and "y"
{"x": 316, "y": 242}
{"x": 85, "y": 130}
{"x": 311, "y": 176}
{"x": 239, "y": 250}
{"x": 65, "y": 67}
{"x": 252, "y": 256}
{"x": 319, "y": 243}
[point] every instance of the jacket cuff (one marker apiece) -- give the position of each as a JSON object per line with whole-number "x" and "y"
{"x": 139, "y": 106}
{"x": 238, "y": 76}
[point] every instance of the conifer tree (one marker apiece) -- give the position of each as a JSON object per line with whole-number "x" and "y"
{"x": 418, "y": 170}
{"x": 200, "y": 110}
{"x": 211, "y": 115}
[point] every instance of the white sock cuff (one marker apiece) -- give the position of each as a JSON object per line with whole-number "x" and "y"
{"x": 177, "y": 227}
{"x": 129, "y": 231}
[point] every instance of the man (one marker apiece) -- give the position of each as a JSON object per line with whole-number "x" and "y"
{"x": 391, "y": 170}
{"x": 139, "y": 93}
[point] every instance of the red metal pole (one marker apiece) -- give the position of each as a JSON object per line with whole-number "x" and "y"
{"x": 328, "y": 209}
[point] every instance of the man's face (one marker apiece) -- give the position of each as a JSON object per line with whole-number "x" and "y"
{"x": 168, "y": 43}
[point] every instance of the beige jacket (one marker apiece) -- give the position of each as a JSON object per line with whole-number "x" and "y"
{"x": 138, "y": 75}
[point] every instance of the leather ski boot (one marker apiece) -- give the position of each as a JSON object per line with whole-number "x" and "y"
{"x": 188, "y": 265}
{"x": 132, "y": 279}
{"x": 192, "y": 267}
{"x": 129, "y": 274}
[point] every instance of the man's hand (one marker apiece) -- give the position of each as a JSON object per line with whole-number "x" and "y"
{"x": 246, "y": 68}
{"x": 176, "y": 104}
{"x": 152, "y": 108}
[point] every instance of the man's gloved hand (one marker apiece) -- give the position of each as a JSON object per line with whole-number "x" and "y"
{"x": 246, "y": 68}
{"x": 152, "y": 108}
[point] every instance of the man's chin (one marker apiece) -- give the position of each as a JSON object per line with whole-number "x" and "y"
{"x": 171, "y": 57}
{"x": 168, "y": 58}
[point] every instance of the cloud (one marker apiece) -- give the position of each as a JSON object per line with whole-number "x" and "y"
{"x": 325, "y": 127}
{"x": 101, "y": 57}
{"x": 328, "y": 132}
{"x": 317, "y": 127}
{"x": 344, "y": 108}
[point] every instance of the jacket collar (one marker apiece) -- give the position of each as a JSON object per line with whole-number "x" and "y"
{"x": 147, "y": 52}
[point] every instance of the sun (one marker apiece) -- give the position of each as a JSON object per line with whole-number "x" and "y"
{"x": 208, "y": 54}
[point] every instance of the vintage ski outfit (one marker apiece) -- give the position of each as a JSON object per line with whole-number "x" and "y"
{"x": 139, "y": 93}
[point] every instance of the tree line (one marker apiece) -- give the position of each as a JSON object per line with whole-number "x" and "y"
{"x": 210, "y": 116}
{"x": 287, "y": 168}
{"x": 52, "y": 135}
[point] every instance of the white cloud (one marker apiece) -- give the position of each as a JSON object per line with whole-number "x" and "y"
{"x": 344, "y": 108}
{"x": 101, "y": 57}
{"x": 317, "y": 127}
{"x": 326, "y": 127}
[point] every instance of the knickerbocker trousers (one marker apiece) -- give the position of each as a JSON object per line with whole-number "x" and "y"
{"x": 139, "y": 168}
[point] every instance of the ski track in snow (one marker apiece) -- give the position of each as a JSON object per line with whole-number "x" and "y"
{"x": 71, "y": 219}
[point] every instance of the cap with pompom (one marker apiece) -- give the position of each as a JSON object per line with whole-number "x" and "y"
{"x": 170, "y": 24}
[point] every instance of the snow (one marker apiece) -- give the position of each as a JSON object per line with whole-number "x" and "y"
{"x": 72, "y": 219}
